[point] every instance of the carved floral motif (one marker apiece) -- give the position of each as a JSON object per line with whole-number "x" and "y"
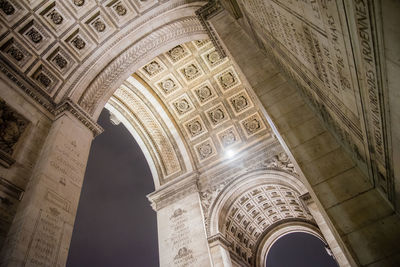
{"x": 153, "y": 68}
{"x": 203, "y": 93}
{"x": 99, "y": 26}
{"x": 7, "y": 7}
{"x": 79, "y": 43}
{"x": 120, "y": 9}
{"x": 34, "y": 35}
{"x": 56, "y": 17}
{"x": 79, "y": 2}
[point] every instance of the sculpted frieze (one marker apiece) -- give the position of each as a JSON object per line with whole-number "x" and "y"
{"x": 12, "y": 126}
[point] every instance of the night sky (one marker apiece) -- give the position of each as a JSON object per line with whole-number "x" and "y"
{"x": 299, "y": 250}
{"x": 115, "y": 225}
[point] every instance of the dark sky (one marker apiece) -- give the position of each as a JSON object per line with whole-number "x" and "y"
{"x": 115, "y": 225}
{"x": 299, "y": 250}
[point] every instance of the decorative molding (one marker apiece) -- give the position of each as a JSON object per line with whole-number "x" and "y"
{"x": 10, "y": 189}
{"x": 49, "y": 105}
{"x": 306, "y": 198}
{"x": 173, "y": 191}
{"x": 206, "y": 12}
{"x": 106, "y": 79}
{"x": 78, "y": 113}
{"x": 218, "y": 239}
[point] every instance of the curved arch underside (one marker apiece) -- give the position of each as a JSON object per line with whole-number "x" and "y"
{"x": 190, "y": 107}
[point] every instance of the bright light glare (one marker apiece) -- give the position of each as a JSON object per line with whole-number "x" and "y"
{"x": 230, "y": 153}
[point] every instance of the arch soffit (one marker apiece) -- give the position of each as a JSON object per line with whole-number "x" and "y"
{"x": 103, "y": 77}
{"x": 279, "y": 231}
{"x": 157, "y": 134}
{"x": 243, "y": 184}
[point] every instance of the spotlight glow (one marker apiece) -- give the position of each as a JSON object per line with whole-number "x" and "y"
{"x": 230, "y": 153}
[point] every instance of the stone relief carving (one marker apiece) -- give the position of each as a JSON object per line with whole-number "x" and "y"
{"x": 205, "y": 150}
{"x": 228, "y": 79}
{"x": 182, "y": 105}
{"x": 16, "y": 52}
{"x": 7, "y": 7}
{"x": 120, "y": 9}
{"x": 105, "y": 79}
{"x": 168, "y": 86}
{"x": 191, "y": 72}
{"x": 253, "y": 124}
{"x": 177, "y": 53}
{"x": 240, "y": 102}
{"x": 12, "y": 126}
{"x": 253, "y": 212}
{"x": 195, "y": 127}
{"x": 99, "y": 25}
{"x": 204, "y": 93}
{"x": 217, "y": 115}
{"x": 228, "y": 137}
{"x": 34, "y": 35}
{"x": 79, "y": 2}
{"x": 56, "y": 17}
{"x": 78, "y": 42}
{"x": 153, "y": 68}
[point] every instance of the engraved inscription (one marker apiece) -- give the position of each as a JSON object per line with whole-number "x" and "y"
{"x": 45, "y": 243}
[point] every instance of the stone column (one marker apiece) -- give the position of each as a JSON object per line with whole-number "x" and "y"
{"x": 41, "y": 231}
{"x": 181, "y": 233}
{"x": 219, "y": 251}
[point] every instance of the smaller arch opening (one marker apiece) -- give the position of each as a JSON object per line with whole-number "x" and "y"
{"x": 300, "y": 249}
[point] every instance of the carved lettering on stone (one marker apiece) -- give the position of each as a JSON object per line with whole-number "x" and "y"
{"x": 45, "y": 243}
{"x": 180, "y": 238}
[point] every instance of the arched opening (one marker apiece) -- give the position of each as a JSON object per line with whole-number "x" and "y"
{"x": 115, "y": 225}
{"x": 299, "y": 249}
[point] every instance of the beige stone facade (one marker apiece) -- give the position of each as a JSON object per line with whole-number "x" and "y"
{"x": 257, "y": 118}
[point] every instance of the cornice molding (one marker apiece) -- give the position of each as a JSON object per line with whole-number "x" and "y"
{"x": 77, "y": 112}
{"x": 206, "y": 12}
{"x": 174, "y": 191}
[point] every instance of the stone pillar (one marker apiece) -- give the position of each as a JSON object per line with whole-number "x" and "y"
{"x": 219, "y": 251}
{"x": 181, "y": 233}
{"x": 41, "y": 231}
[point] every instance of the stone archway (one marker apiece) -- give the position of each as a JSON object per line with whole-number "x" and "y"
{"x": 281, "y": 230}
